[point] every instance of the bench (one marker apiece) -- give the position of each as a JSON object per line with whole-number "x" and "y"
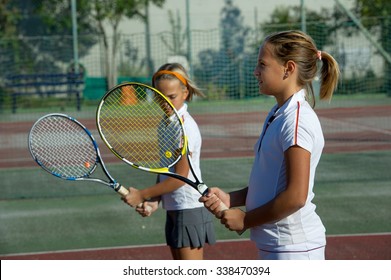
{"x": 44, "y": 85}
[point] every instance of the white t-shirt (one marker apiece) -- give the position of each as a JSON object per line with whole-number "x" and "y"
{"x": 186, "y": 197}
{"x": 295, "y": 123}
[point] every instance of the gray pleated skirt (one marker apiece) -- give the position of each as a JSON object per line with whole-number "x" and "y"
{"x": 189, "y": 228}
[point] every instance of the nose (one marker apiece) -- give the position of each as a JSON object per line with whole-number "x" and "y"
{"x": 167, "y": 108}
{"x": 256, "y": 73}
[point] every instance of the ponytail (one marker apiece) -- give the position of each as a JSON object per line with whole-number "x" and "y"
{"x": 329, "y": 76}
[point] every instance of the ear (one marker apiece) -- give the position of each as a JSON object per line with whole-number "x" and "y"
{"x": 290, "y": 68}
{"x": 185, "y": 93}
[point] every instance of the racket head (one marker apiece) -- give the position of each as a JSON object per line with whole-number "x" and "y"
{"x": 147, "y": 133}
{"x": 63, "y": 147}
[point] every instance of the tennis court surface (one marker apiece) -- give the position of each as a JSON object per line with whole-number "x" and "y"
{"x": 353, "y": 191}
{"x": 343, "y": 247}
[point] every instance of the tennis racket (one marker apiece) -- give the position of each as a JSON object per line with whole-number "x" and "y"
{"x": 147, "y": 134}
{"x": 66, "y": 149}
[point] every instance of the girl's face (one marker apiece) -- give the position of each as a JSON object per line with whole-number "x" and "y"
{"x": 174, "y": 91}
{"x": 269, "y": 71}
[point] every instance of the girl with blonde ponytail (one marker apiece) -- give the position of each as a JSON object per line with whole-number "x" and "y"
{"x": 279, "y": 209}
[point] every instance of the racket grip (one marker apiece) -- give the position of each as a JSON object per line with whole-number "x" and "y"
{"x": 123, "y": 191}
{"x": 222, "y": 208}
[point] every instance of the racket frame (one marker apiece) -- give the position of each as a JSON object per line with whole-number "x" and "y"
{"x": 112, "y": 182}
{"x": 198, "y": 185}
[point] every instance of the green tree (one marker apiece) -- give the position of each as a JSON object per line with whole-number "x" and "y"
{"x": 233, "y": 31}
{"x": 379, "y": 27}
{"x": 178, "y": 37}
{"x": 101, "y": 16}
{"x": 9, "y": 16}
{"x": 232, "y": 47}
{"x": 23, "y": 49}
{"x": 8, "y": 25}
{"x": 289, "y": 17}
{"x": 221, "y": 70}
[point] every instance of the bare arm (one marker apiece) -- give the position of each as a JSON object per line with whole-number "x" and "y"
{"x": 238, "y": 198}
{"x": 135, "y": 197}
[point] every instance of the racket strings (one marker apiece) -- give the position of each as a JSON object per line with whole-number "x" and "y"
{"x": 63, "y": 147}
{"x": 147, "y": 133}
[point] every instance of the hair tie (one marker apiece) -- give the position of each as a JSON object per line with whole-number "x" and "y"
{"x": 319, "y": 55}
{"x": 177, "y": 75}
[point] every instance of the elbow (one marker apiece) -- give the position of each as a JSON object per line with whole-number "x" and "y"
{"x": 298, "y": 196}
{"x": 299, "y": 202}
{"x": 293, "y": 207}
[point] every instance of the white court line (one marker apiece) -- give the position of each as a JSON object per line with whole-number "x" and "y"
{"x": 337, "y": 123}
{"x": 164, "y": 245}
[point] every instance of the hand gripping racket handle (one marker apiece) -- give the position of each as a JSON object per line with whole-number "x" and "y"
{"x": 222, "y": 208}
{"x": 123, "y": 191}
{"x": 202, "y": 188}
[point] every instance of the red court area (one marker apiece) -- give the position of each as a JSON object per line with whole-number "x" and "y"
{"x": 234, "y": 134}
{"x": 352, "y": 247}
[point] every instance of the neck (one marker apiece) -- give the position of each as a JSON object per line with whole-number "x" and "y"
{"x": 284, "y": 97}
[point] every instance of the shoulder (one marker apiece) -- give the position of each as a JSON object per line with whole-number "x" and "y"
{"x": 302, "y": 112}
{"x": 191, "y": 127}
{"x": 188, "y": 120}
{"x": 301, "y": 119}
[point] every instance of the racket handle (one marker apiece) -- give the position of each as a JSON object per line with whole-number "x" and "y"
{"x": 222, "y": 208}
{"x": 123, "y": 191}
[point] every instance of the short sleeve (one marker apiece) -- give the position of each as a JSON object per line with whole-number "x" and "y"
{"x": 297, "y": 130}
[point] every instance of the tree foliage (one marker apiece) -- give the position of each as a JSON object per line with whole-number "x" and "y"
{"x": 233, "y": 31}
{"x": 289, "y": 17}
{"x": 220, "y": 67}
{"x": 94, "y": 16}
{"x": 375, "y": 16}
{"x": 9, "y": 16}
{"x": 175, "y": 44}
{"x": 96, "y": 19}
{"x": 381, "y": 26}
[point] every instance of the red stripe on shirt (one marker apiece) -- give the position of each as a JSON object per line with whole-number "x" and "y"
{"x": 297, "y": 121}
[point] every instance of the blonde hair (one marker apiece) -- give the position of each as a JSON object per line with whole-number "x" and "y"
{"x": 177, "y": 71}
{"x": 299, "y": 47}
